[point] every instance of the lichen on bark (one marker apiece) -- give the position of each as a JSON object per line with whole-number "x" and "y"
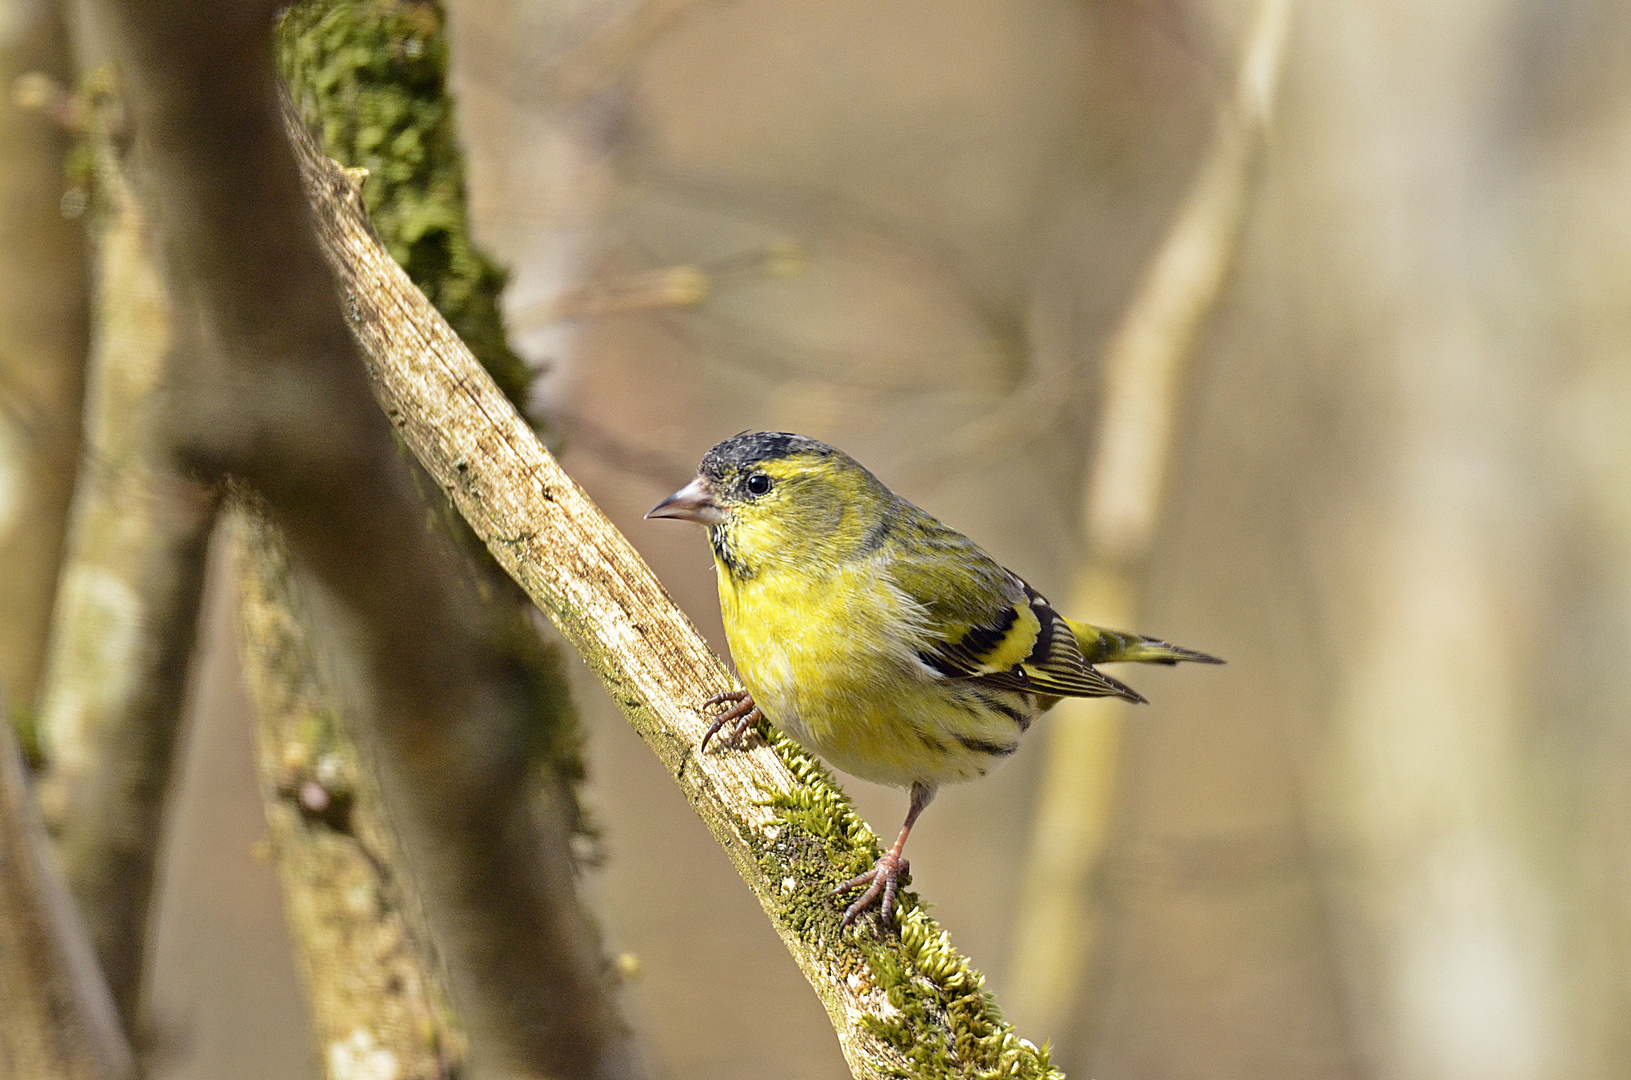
{"x": 370, "y": 77}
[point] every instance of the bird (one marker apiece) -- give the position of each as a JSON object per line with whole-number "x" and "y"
{"x": 874, "y": 635}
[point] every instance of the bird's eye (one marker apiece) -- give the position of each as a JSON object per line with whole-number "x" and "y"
{"x": 758, "y": 484}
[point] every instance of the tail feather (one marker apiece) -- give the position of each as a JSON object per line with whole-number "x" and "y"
{"x": 1102, "y": 646}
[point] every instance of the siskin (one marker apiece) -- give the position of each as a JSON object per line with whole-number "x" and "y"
{"x": 876, "y": 636}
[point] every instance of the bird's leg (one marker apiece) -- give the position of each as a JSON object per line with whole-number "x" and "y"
{"x": 743, "y": 712}
{"x": 884, "y": 877}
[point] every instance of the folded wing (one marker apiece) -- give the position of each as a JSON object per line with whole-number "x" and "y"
{"x": 987, "y": 625}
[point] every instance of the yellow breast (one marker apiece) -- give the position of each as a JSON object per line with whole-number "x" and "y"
{"x": 833, "y": 662}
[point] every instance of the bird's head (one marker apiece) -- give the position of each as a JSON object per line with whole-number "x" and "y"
{"x": 769, "y": 497}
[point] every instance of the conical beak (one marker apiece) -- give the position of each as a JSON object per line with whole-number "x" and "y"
{"x": 693, "y": 502}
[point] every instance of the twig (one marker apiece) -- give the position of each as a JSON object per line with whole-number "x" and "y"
{"x": 899, "y": 1005}
{"x": 590, "y": 67}
{"x": 662, "y": 470}
{"x": 1121, "y": 505}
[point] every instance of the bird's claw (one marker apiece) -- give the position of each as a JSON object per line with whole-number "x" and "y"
{"x": 882, "y": 880}
{"x": 741, "y": 716}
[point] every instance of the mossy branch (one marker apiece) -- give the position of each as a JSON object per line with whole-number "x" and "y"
{"x": 903, "y": 1004}
{"x": 371, "y": 76}
{"x": 273, "y": 396}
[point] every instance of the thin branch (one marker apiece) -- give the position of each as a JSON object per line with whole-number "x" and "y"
{"x": 907, "y": 1004}
{"x": 127, "y": 604}
{"x": 58, "y": 1021}
{"x": 1144, "y": 364}
{"x": 374, "y": 985}
{"x": 588, "y": 68}
{"x": 662, "y": 470}
{"x": 1143, "y": 381}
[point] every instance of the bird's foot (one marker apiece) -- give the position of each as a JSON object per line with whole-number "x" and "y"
{"x": 741, "y": 716}
{"x": 882, "y": 880}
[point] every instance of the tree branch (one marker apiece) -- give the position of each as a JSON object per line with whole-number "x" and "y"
{"x": 58, "y": 1021}
{"x": 1143, "y": 375}
{"x": 127, "y": 605}
{"x": 276, "y": 398}
{"x": 900, "y": 1005}
{"x": 370, "y": 973}
{"x": 43, "y": 322}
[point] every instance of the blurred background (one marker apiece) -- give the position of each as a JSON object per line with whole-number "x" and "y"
{"x": 1392, "y": 838}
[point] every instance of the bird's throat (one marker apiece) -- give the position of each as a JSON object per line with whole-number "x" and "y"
{"x": 730, "y": 562}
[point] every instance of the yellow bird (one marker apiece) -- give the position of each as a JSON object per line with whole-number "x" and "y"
{"x": 874, "y": 635}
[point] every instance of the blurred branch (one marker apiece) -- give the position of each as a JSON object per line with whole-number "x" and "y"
{"x": 612, "y": 52}
{"x": 371, "y": 977}
{"x": 908, "y": 1004}
{"x": 1144, "y": 364}
{"x": 127, "y": 603}
{"x": 1031, "y": 408}
{"x": 462, "y": 713}
{"x": 1143, "y": 378}
{"x": 43, "y": 322}
{"x": 671, "y": 287}
{"x": 58, "y": 1021}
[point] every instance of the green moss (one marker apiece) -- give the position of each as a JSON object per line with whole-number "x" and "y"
{"x": 369, "y": 76}
{"x": 945, "y": 1023}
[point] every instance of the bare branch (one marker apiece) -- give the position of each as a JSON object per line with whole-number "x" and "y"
{"x": 1145, "y": 361}
{"x": 276, "y": 398}
{"x": 1143, "y": 376}
{"x": 127, "y": 604}
{"x": 43, "y": 320}
{"x": 58, "y": 1021}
